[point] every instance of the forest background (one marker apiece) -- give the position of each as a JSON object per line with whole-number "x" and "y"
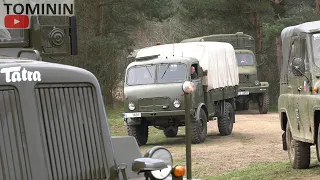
{"x": 108, "y": 30}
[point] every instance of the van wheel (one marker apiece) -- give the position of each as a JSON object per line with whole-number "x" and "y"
{"x": 171, "y": 131}
{"x": 225, "y": 122}
{"x": 140, "y": 132}
{"x": 199, "y": 129}
{"x": 263, "y": 103}
{"x": 298, "y": 152}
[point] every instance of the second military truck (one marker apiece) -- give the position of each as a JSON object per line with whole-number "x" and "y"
{"x": 250, "y": 88}
{"x": 153, "y": 89}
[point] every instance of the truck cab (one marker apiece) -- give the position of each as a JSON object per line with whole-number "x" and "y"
{"x": 53, "y": 122}
{"x": 250, "y": 88}
{"x": 299, "y": 100}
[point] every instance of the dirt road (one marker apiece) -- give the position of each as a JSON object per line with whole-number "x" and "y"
{"x": 255, "y": 138}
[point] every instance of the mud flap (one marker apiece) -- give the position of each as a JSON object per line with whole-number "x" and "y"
{"x": 132, "y": 121}
{"x": 284, "y": 143}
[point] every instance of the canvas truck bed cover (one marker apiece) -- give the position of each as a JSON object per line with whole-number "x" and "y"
{"x": 218, "y": 58}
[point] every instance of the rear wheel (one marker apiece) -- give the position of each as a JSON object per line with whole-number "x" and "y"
{"x": 298, "y": 152}
{"x": 171, "y": 131}
{"x": 140, "y": 132}
{"x": 199, "y": 128}
{"x": 239, "y": 106}
{"x": 225, "y": 122}
{"x": 263, "y": 103}
{"x": 246, "y": 105}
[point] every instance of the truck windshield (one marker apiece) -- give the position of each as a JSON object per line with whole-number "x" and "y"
{"x": 171, "y": 73}
{"x": 141, "y": 75}
{"x": 316, "y": 48}
{"x": 166, "y": 73}
{"x": 11, "y": 35}
{"x": 244, "y": 59}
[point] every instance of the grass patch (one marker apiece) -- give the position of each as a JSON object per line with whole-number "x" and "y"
{"x": 267, "y": 171}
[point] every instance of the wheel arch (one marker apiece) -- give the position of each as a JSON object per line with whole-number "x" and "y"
{"x": 204, "y": 107}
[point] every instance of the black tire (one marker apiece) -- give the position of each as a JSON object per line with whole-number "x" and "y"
{"x": 171, "y": 131}
{"x": 239, "y": 106}
{"x": 199, "y": 129}
{"x": 263, "y": 103}
{"x": 140, "y": 132}
{"x": 318, "y": 144}
{"x": 225, "y": 122}
{"x": 298, "y": 152}
{"x": 246, "y": 105}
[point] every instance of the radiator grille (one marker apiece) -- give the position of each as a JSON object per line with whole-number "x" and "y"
{"x": 14, "y": 161}
{"x": 72, "y": 135}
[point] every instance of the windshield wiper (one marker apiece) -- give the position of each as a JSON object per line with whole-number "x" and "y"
{"x": 165, "y": 71}
{"x": 149, "y": 71}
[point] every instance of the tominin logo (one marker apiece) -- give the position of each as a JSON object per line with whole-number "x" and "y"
{"x": 14, "y": 74}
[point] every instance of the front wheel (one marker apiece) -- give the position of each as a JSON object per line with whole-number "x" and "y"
{"x": 140, "y": 132}
{"x": 199, "y": 128}
{"x": 225, "y": 123}
{"x": 263, "y": 103}
{"x": 298, "y": 152}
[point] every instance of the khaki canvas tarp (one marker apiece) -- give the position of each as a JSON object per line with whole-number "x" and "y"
{"x": 217, "y": 58}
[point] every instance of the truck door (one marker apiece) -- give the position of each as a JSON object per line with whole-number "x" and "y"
{"x": 304, "y": 109}
{"x": 297, "y": 87}
{"x": 294, "y": 88}
{"x": 196, "y": 79}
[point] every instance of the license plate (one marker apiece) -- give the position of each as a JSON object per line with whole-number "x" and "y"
{"x": 241, "y": 93}
{"x": 131, "y": 115}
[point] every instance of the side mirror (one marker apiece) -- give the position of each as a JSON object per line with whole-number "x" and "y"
{"x": 147, "y": 164}
{"x": 298, "y": 67}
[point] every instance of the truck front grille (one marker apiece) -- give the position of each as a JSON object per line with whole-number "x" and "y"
{"x": 14, "y": 160}
{"x": 71, "y": 132}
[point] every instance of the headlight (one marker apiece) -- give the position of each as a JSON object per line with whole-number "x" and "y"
{"x": 188, "y": 87}
{"x": 131, "y": 106}
{"x": 161, "y": 153}
{"x": 176, "y": 103}
{"x": 257, "y": 83}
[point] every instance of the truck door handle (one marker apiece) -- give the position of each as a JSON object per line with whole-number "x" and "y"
{"x": 289, "y": 87}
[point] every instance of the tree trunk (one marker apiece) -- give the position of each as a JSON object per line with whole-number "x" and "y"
{"x": 98, "y": 17}
{"x": 317, "y": 7}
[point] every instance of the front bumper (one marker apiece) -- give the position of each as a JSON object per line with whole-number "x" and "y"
{"x": 156, "y": 114}
{"x": 244, "y": 91}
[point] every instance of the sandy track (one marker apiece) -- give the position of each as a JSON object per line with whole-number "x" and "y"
{"x": 255, "y": 138}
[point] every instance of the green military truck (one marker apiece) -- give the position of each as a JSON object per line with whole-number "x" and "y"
{"x": 153, "y": 89}
{"x": 299, "y": 100}
{"x": 53, "y": 123}
{"x": 250, "y": 88}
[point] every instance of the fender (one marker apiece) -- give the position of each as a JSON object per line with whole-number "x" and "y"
{"x": 198, "y": 111}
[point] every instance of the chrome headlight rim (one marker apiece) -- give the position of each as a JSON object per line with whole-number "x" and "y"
{"x": 256, "y": 82}
{"x": 176, "y": 103}
{"x": 131, "y": 106}
{"x": 155, "y": 153}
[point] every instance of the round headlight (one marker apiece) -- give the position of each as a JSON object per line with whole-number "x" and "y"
{"x": 131, "y": 106}
{"x": 176, "y": 103}
{"x": 257, "y": 83}
{"x": 161, "y": 153}
{"x": 188, "y": 87}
